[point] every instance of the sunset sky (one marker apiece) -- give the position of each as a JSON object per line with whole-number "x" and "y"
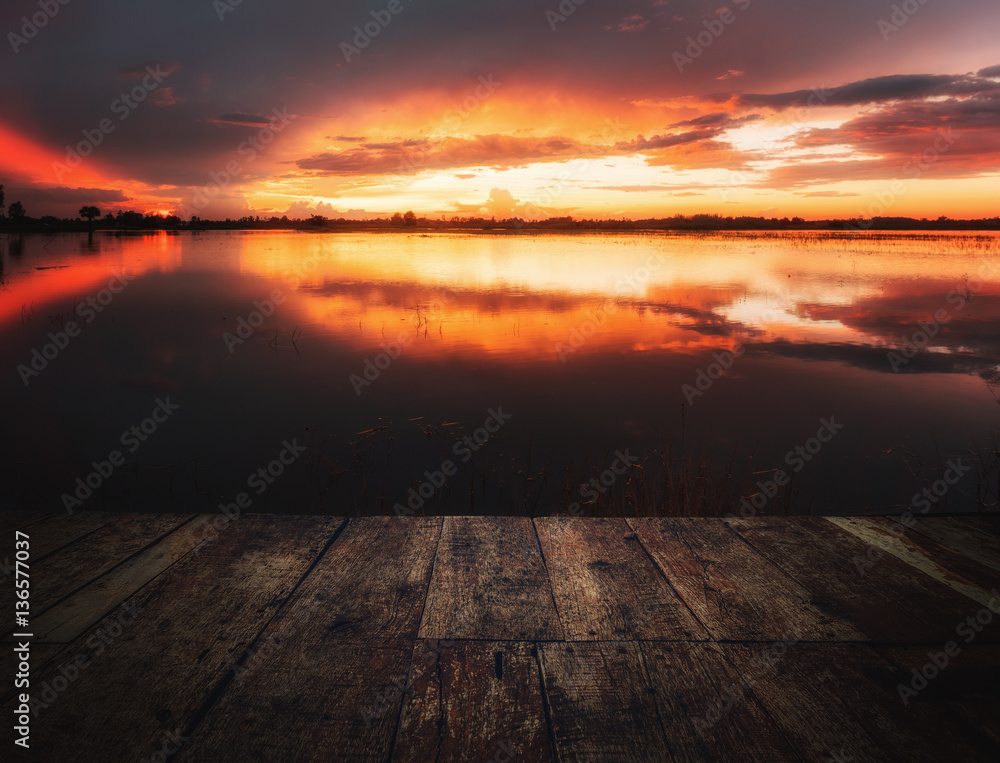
{"x": 533, "y": 109}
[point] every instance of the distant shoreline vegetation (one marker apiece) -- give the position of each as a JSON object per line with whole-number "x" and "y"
{"x": 136, "y": 221}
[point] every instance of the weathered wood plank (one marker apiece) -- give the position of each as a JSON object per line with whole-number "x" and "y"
{"x": 71, "y": 617}
{"x": 371, "y": 585}
{"x": 980, "y": 546}
{"x": 62, "y": 529}
{"x": 839, "y": 701}
{"x": 153, "y": 662}
{"x": 490, "y": 582}
{"x": 71, "y": 568}
{"x": 601, "y": 702}
{"x": 311, "y": 702}
{"x": 884, "y": 598}
{"x": 339, "y": 642}
{"x": 606, "y": 587}
{"x": 967, "y": 685}
{"x": 930, "y": 561}
{"x": 19, "y": 520}
{"x": 958, "y": 566}
{"x": 737, "y": 593}
{"x": 473, "y": 701}
{"x": 987, "y": 523}
{"x": 707, "y": 711}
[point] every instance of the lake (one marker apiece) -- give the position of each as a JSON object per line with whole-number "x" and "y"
{"x": 487, "y": 372}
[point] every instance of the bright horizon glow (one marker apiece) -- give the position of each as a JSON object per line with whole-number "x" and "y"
{"x": 593, "y": 117}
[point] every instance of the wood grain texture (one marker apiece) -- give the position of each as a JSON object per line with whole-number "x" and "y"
{"x": 154, "y": 661}
{"x": 61, "y": 529}
{"x": 959, "y": 564}
{"x": 978, "y": 545}
{"x": 320, "y": 674}
{"x": 476, "y": 700}
{"x": 888, "y": 600}
{"x": 606, "y": 586}
{"x": 74, "y": 566}
{"x": 938, "y": 565}
{"x": 68, "y": 619}
{"x": 490, "y": 582}
{"x": 307, "y": 702}
{"x": 21, "y": 520}
{"x": 737, "y": 593}
{"x": 707, "y": 712}
{"x": 602, "y": 704}
{"x": 987, "y": 523}
{"x": 967, "y": 686}
{"x": 839, "y": 701}
{"x": 297, "y": 638}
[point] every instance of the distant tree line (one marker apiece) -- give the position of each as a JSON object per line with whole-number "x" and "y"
{"x": 132, "y": 220}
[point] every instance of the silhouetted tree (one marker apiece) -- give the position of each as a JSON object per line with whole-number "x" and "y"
{"x": 17, "y": 211}
{"x": 409, "y": 219}
{"x": 126, "y": 217}
{"x": 396, "y": 219}
{"x": 90, "y": 213}
{"x": 1, "y": 200}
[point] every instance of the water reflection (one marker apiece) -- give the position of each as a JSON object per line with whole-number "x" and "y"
{"x": 588, "y": 340}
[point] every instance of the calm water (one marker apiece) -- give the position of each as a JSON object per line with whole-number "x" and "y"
{"x": 374, "y": 355}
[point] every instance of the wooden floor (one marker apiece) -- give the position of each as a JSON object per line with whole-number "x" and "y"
{"x": 493, "y": 639}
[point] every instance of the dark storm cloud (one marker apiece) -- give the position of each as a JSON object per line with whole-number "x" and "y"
{"x": 78, "y": 195}
{"x": 896, "y": 87}
{"x": 249, "y": 120}
{"x": 140, "y": 70}
{"x": 406, "y": 157}
{"x": 706, "y": 127}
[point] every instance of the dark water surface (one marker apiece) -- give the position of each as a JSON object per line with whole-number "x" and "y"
{"x": 372, "y": 356}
